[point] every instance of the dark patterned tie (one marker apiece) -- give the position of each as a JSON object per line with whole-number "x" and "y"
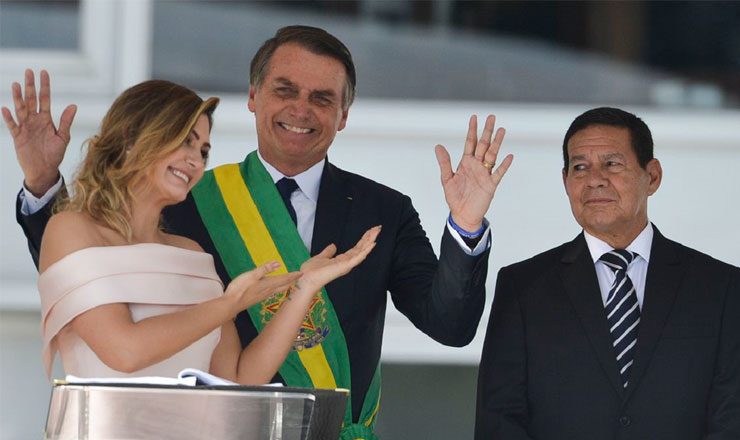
{"x": 286, "y": 187}
{"x": 622, "y": 310}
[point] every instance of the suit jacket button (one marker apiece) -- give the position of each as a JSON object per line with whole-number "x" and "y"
{"x": 625, "y": 421}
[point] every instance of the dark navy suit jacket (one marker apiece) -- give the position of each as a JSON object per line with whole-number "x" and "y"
{"x": 548, "y": 369}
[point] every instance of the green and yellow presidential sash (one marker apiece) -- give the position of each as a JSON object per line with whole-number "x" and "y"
{"x": 249, "y": 225}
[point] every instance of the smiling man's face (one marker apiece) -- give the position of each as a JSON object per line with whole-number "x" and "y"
{"x": 606, "y": 186}
{"x": 298, "y": 108}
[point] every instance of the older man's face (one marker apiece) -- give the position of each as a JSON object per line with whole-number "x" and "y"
{"x": 298, "y": 108}
{"x": 607, "y": 188}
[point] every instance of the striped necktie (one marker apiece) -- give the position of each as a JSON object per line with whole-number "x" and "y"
{"x": 622, "y": 310}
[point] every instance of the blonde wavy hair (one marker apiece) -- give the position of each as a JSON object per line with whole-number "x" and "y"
{"x": 146, "y": 123}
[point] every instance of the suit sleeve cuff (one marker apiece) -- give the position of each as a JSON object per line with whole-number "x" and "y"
{"x": 483, "y": 244}
{"x": 31, "y": 204}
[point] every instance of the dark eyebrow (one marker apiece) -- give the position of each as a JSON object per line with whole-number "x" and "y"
{"x": 578, "y": 157}
{"x": 318, "y": 93}
{"x": 197, "y": 137}
{"x": 612, "y": 156}
{"x": 324, "y": 93}
{"x": 284, "y": 81}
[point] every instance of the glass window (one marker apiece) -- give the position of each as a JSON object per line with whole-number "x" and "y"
{"x": 621, "y": 53}
{"x": 39, "y": 24}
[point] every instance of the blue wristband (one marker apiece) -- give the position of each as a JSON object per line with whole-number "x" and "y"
{"x": 462, "y": 231}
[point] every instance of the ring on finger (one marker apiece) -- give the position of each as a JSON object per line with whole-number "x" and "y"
{"x": 487, "y": 165}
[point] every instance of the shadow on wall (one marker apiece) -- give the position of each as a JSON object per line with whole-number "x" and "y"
{"x": 427, "y": 402}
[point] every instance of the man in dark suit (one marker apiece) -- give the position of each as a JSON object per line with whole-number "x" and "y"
{"x": 302, "y": 84}
{"x": 620, "y": 333}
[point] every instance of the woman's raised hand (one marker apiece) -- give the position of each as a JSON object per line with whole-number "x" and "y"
{"x": 39, "y": 144}
{"x": 254, "y": 286}
{"x": 325, "y": 267}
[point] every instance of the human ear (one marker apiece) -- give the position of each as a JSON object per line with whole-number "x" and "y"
{"x": 343, "y": 121}
{"x": 565, "y": 178}
{"x": 250, "y": 101}
{"x": 655, "y": 171}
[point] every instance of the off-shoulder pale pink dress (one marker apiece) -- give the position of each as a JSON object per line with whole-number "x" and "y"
{"x": 153, "y": 279}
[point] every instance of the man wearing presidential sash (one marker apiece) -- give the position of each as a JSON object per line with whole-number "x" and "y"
{"x": 286, "y": 202}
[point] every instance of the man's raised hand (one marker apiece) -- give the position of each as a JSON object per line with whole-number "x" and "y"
{"x": 469, "y": 190}
{"x": 39, "y": 144}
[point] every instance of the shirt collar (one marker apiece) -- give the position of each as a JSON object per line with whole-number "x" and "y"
{"x": 641, "y": 244}
{"x": 308, "y": 181}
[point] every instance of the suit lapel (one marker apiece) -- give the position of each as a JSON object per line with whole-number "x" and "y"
{"x": 332, "y": 208}
{"x": 661, "y": 287}
{"x": 579, "y": 277}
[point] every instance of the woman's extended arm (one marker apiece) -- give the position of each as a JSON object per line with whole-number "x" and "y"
{"x": 261, "y": 359}
{"x": 128, "y": 346}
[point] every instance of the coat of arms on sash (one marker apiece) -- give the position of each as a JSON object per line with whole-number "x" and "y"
{"x": 314, "y": 327}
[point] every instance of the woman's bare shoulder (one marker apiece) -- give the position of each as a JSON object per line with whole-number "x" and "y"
{"x": 183, "y": 242}
{"x": 67, "y": 232}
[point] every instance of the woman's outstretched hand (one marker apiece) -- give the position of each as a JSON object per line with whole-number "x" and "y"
{"x": 259, "y": 360}
{"x": 326, "y": 266}
{"x": 254, "y": 286}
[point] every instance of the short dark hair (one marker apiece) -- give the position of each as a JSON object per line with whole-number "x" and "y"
{"x": 316, "y": 41}
{"x": 640, "y": 136}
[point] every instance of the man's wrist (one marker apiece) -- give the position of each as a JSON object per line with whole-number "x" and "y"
{"x": 464, "y": 232}
{"x": 40, "y": 186}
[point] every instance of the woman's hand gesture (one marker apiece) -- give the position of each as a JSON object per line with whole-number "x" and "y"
{"x": 325, "y": 266}
{"x": 254, "y": 286}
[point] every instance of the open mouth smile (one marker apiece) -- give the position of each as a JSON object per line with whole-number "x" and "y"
{"x": 294, "y": 129}
{"x": 179, "y": 174}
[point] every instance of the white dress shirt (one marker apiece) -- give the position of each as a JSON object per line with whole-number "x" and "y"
{"x": 304, "y": 201}
{"x": 31, "y": 204}
{"x": 637, "y": 271}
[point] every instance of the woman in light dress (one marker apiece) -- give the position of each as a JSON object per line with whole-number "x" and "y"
{"x": 120, "y": 296}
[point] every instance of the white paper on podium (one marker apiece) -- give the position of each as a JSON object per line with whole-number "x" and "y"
{"x": 188, "y": 377}
{"x": 143, "y": 380}
{"x": 203, "y": 378}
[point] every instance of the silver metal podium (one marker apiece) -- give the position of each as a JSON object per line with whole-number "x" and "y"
{"x": 123, "y": 411}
